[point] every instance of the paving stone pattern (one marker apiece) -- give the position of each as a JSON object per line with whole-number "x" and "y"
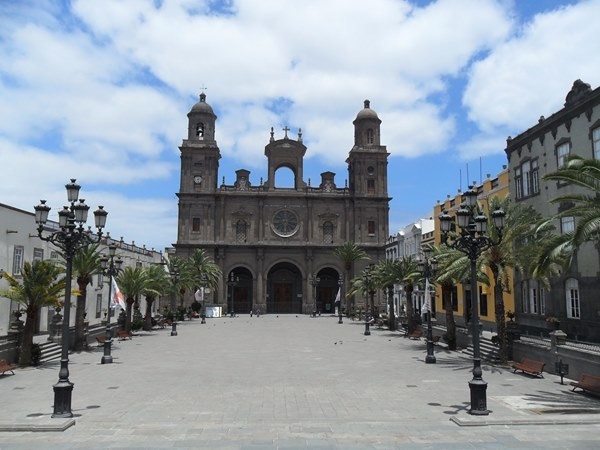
{"x": 288, "y": 382}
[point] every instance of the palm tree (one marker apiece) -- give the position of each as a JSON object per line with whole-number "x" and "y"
{"x": 86, "y": 264}
{"x": 384, "y": 277}
{"x": 451, "y": 267}
{"x": 583, "y": 173}
{"x": 157, "y": 283}
{"x": 203, "y": 270}
{"x": 348, "y": 254}
{"x": 509, "y": 253}
{"x": 132, "y": 282}
{"x": 39, "y": 286}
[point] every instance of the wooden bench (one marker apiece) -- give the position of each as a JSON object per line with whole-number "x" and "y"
{"x": 587, "y": 382}
{"x": 123, "y": 334}
{"x": 416, "y": 335}
{"x": 530, "y": 366}
{"x": 5, "y": 367}
{"x": 100, "y": 340}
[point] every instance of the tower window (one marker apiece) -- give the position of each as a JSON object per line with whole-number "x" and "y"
{"x": 328, "y": 232}
{"x": 241, "y": 231}
{"x": 370, "y": 186}
{"x": 371, "y": 227}
{"x": 200, "y": 130}
{"x": 196, "y": 224}
{"x": 370, "y": 136}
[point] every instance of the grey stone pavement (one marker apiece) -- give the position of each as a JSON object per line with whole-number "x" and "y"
{"x": 288, "y": 382}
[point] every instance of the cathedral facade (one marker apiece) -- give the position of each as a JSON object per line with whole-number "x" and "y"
{"x": 275, "y": 244}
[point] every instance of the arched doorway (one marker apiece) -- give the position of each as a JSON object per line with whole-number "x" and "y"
{"x": 239, "y": 297}
{"x": 284, "y": 289}
{"x": 327, "y": 290}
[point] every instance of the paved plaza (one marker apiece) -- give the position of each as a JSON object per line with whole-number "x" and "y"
{"x": 288, "y": 382}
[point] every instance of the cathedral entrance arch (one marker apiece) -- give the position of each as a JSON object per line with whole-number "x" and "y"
{"x": 284, "y": 289}
{"x": 327, "y": 290}
{"x": 239, "y": 298}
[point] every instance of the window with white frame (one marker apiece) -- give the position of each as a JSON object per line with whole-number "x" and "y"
{"x": 567, "y": 224}
{"x": 573, "y": 302}
{"x": 527, "y": 180}
{"x": 596, "y": 142}
{"x": 542, "y": 301}
{"x": 54, "y": 255}
{"x": 533, "y": 299}
{"x": 17, "y": 259}
{"x": 562, "y": 153}
{"x": 38, "y": 254}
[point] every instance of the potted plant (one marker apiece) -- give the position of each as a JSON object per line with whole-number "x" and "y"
{"x": 553, "y": 322}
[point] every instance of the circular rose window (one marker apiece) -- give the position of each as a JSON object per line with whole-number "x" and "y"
{"x": 285, "y": 223}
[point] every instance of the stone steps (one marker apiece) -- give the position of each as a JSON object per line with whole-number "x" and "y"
{"x": 50, "y": 351}
{"x": 488, "y": 351}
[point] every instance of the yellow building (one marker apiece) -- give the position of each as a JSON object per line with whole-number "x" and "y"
{"x": 460, "y": 295}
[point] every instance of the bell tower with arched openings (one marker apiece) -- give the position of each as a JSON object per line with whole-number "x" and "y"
{"x": 285, "y": 153}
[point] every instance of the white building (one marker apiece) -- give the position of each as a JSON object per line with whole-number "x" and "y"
{"x": 19, "y": 242}
{"x": 408, "y": 243}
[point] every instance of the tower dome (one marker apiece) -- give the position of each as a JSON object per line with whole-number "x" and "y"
{"x": 202, "y": 106}
{"x": 202, "y": 118}
{"x": 367, "y": 112}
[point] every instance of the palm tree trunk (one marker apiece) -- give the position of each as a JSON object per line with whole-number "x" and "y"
{"x": 148, "y": 315}
{"x": 27, "y": 338}
{"x": 450, "y": 322}
{"x": 129, "y": 303}
{"x": 79, "y": 320}
{"x": 500, "y": 322}
{"x": 410, "y": 311}
{"x": 392, "y": 317}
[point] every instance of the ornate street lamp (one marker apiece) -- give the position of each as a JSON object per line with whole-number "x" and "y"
{"x": 111, "y": 268}
{"x": 174, "y": 279}
{"x": 472, "y": 240}
{"x": 428, "y": 267}
{"x": 70, "y": 237}
{"x": 232, "y": 283}
{"x": 367, "y": 282}
{"x": 340, "y": 286}
{"x": 315, "y": 282}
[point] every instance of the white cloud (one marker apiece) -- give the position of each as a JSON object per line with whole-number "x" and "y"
{"x": 103, "y": 94}
{"x": 530, "y": 74}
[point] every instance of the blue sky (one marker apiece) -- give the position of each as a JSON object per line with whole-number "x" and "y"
{"x": 99, "y": 91}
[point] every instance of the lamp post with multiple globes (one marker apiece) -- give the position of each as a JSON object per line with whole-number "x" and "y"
{"x": 111, "y": 268}
{"x": 69, "y": 237}
{"x": 472, "y": 240}
{"x": 428, "y": 267}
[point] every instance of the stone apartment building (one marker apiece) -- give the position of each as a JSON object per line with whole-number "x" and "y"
{"x": 540, "y": 150}
{"x": 277, "y": 241}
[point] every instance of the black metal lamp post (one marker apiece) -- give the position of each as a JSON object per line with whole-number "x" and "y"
{"x": 203, "y": 308}
{"x": 472, "y": 240}
{"x": 340, "y": 285}
{"x": 367, "y": 282}
{"x": 232, "y": 283}
{"x": 315, "y": 282}
{"x": 111, "y": 268}
{"x": 175, "y": 279}
{"x": 427, "y": 268}
{"x": 70, "y": 237}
